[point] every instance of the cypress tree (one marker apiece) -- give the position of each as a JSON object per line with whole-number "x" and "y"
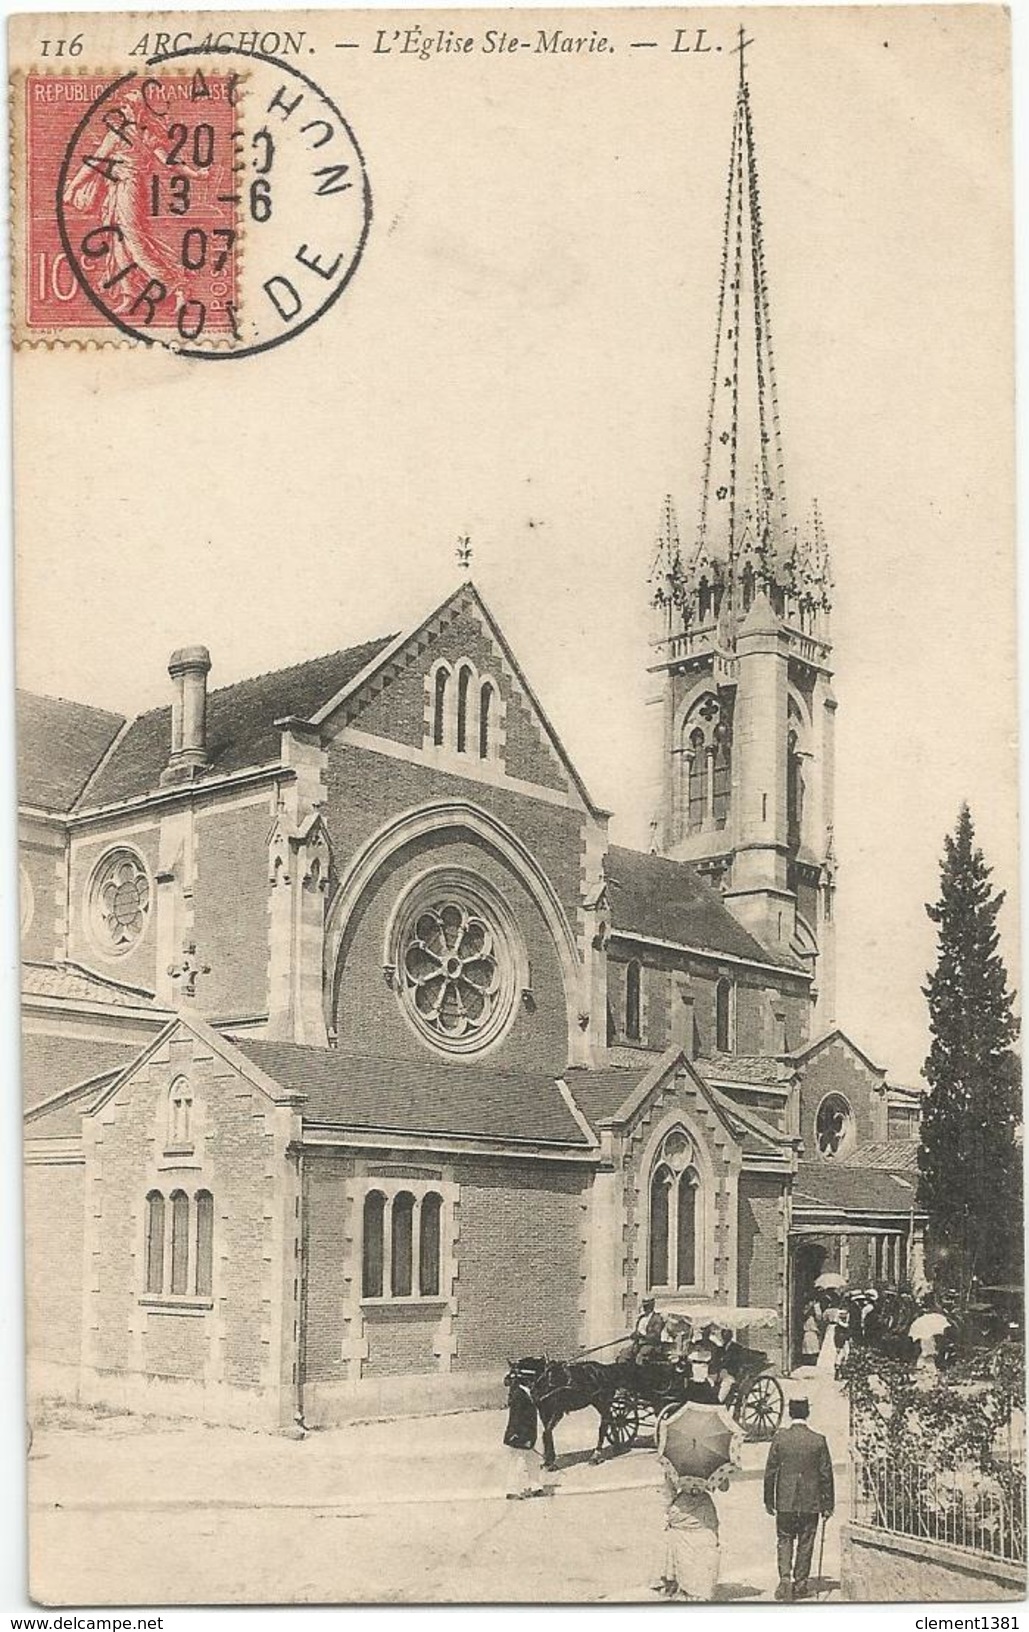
{"x": 970, "y": 1159}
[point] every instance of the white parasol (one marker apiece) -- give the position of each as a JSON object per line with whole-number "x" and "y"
{"x": 928, "y": 1325}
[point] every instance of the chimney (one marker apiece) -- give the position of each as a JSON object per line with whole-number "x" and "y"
{"x": 189, "y": 668}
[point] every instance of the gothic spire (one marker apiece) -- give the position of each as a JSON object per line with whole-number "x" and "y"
{"x": 744, "y": 540}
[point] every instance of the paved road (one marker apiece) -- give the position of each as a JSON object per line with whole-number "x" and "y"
{"x": 124, "y": 1511}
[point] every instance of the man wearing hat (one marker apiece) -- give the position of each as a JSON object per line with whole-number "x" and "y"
{"x": 799, "y": 1488}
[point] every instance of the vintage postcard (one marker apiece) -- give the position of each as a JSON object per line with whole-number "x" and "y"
{"x": 517, "y": 806}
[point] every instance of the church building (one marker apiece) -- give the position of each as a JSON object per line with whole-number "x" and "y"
{"x": 357, "y": 1060}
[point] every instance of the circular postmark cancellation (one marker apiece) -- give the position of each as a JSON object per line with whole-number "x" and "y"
{"x": 216, "y": 204}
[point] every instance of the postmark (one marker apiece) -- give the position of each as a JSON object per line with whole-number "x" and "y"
{"x": 215, "y": 203}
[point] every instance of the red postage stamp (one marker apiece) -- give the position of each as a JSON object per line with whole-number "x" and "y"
{"x": 132, "y": 181}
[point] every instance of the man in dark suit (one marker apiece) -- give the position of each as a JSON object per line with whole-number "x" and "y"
{"x": 798, "y": 1489}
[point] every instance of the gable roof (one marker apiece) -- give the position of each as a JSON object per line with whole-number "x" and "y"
{"x": 833, "y": 1187}
{"x": 60, "y": 744}
{"x": 613, "y": 1094}
{"x": 654, "y": 898}
{"x": 836, "y": 1035}
{"x": 466, "y": 594}
{"x": 241, "y": 728}
{"x": 419, "y": 1095}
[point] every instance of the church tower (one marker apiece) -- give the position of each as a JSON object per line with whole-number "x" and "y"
{"x": 742, "y": 645}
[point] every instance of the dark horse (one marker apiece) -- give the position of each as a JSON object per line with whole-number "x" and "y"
{"x": 557, "y": 1387}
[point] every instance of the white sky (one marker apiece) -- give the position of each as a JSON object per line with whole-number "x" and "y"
{"x": 524, "y": 354}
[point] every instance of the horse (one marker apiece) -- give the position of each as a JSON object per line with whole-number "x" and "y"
{"x": 557, "y": 1387}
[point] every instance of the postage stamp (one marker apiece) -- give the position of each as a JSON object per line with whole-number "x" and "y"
{"x": 214, "y": 203}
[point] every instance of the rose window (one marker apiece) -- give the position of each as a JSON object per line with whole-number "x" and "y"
{"x": 834, "y": 1126}
{"x": 451, "y": 971}
{"x": 121, "y": 902}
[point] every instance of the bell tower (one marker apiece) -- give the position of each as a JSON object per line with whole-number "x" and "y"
{"x": 742, "y": 653}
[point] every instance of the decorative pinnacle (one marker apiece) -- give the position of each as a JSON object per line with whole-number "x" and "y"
{"x": 464, "y": 554}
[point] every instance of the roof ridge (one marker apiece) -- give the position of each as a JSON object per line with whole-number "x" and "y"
{"x": 73, "y": 702}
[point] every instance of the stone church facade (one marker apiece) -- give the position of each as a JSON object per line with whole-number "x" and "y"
{"x": 358, "y": 1060}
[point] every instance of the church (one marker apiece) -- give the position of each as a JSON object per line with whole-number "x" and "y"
{"x": 356, "y": 1058}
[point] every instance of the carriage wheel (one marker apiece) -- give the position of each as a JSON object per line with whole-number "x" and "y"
{"x": 622, "y": 1423}
{"x": 759, "y": 1412}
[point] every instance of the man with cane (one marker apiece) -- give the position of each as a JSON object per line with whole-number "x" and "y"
{"x": 799, "y": 1488}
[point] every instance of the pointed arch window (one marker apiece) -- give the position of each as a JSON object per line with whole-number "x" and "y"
{"x": 674, "y": 1243}
{"x": 794, "y": 791}
{"x": 724, "y": 1039}
{"x": 721, "y": 771}
{"x": 439, "y": 707}
{"x": 698, "y": 773}
{"x": 464, "y": 680}
{"x": 180, "y": 1115}
{"x": 485, "y": 721}
{"x": 633, "y": 1001}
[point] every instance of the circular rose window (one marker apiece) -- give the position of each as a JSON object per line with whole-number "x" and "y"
{"x": 119, "y": 902}
{"x": 455, "y": 967}
{"x": 834, "y": 1126}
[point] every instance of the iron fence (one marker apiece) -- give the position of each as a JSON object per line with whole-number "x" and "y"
{"x": 977, "y": 1511}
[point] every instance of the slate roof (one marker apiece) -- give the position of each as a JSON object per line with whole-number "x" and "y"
{"x": 888, "y": 1156}
{"x": 60, "y": 744}
{"x": 241, "y": 728}
{"x": 61, "y": 1118}
{"x": 669, "y": 901}
{"x": 418, "y": 1095}
{"x": 835, "y": 1187}
{"x": 74, "y": 984}
{"x": 601, "y": 1092}
{"x": 51, "y": 1064}
{"x": 757, "y": 1069}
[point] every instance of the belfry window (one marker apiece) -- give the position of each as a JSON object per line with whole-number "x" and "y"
{"x": 697, "y": 781}
{"x": 673, "y": 1255}
{"x": 633, "y": 1003}
{"x": 794, "y": 792}
{"x": 721, "y": 771}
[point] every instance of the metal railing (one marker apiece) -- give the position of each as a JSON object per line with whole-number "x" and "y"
{"x": 980, "y": 1512}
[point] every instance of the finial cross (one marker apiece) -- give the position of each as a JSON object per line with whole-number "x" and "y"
{"x": 741, "y": 48}
{"x": 464, "y": 553}
{"x": 188, "y": 968}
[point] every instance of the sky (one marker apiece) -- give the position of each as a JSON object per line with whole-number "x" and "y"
{"x": 524, "y": 356}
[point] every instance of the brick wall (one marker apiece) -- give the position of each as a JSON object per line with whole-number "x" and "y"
{"x": 398, "y": 709}
{"x": 399, "y": 1341}
{"x": 230, "y": 907}
{"x": 53, "y": 1263}
{"x": 239, "y": 1156}
{"x": 520, "y": 1258}
{"x": 365, "y": 789}
{"x": 761, "y": 1266}
{"x": 369, "y": 1014}
{"x": 837, "y": 1070}
{"x": 41, "y": 856}
{"x": 138, "y": 967}
{"x": 330, "y": 1265}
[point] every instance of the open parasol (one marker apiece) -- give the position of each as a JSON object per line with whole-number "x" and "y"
{"x": 928, "y": 1325}
{"x": 700, "y": 1443}
{"x": 831, "y": 1281}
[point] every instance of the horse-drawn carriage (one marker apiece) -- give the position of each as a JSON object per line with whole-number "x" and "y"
{"x": 636, "y": 1390}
